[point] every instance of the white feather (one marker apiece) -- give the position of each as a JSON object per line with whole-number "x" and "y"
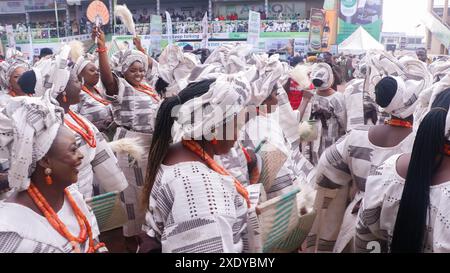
{"x": 126, "y": 17}
{"x": 122, "y": 46}
{"x": 308, "y": 131}
{"x": 300, "y": 74}
{"x": 76, "y": 50}
{"x": 130, "y": 146}
{"x": 306, "y": 198}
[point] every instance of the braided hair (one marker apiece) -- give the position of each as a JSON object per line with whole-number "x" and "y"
{"x": 426, "y": 158}
{"x": 162, "y": 136}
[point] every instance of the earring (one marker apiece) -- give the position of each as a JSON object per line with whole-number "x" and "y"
{"x": 64, "y": 96}
{"x": 48, "y": 178}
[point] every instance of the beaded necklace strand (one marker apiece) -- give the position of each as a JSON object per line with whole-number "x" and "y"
{"x": 85, "y": 131}
{"x": 94, "y": 96}
{"x": 195, "y": 148}
{"x": 58, "y": 225}
{"x": 399, "y": 123}
{"x": 147, "y": 90}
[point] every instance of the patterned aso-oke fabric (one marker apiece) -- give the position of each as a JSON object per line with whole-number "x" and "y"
{"x": 23, "y": 231}
{"x": 134, "y": 171}
{"x": 194, "y": 209}
{"x": 263, "y": 128}
{"x": 235, "y": 163}
{"x": 133, "y": 109}
{"x": 345, "y": 165}
{"x": 99, "y": 114}
{"x": 331, "y": 114}
{"x": 356, "y": 103}
{"x": 378, "y": 213}
{"x": 99, "y": 168}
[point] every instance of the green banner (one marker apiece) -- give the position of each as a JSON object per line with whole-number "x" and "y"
{"x": 346, "y": 29}
{"x": 329, "y": 4}
{"x": 286, "y": 35}
{"x": 353, "y": 13}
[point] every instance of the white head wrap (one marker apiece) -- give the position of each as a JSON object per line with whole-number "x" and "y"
{"x": 227, "y": 96}
{"x": 12, "y": 53}
{"x": 8, "y": 67}
{"x": 175, "y": 68}
{"x": 83, "y": 61}
{"x": 427, "y": 98}
{"x": 300, "y": 74}
{"x": 361, "y": 68}
{"x": 122, "y": 60}
{"x": 381, "y": 64}
{"x": 80, "y": 64}
{"x": 264, "y": 76}
{"x": 232, "y": 58}
{"x": 411, "y": 75}
{"x": 404, "y": 101}
{"x": 28, "y": 127}
{"x": 53, "y": 73}
{"x": 439, "y": 69}
{"x": 323, "y": 72}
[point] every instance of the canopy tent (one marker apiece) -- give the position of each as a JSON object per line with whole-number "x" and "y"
{"x": 359, "y": 42}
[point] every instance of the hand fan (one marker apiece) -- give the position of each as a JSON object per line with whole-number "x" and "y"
{"x": 98, "y": 14}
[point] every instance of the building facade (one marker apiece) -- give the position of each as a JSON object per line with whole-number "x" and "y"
{"x": 437, "y": 23}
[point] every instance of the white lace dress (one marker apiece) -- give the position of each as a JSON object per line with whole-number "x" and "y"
{"x": 194, "y": 209}
{"x": 24, "y": 231}
{"x": 377, "y": 216}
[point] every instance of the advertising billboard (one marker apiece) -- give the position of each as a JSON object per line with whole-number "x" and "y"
{"x": 355, "y": 13}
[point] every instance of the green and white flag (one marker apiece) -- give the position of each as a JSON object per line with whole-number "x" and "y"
{"x": 155, "y": 34}
{"x": 254, "y": 28}
{"x": 205, "y": 31}
{"x": 169, "y": 28}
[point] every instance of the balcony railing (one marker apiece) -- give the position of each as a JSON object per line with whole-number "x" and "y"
{"x": 302, "y": 25}
{"x": 440, "y": 19}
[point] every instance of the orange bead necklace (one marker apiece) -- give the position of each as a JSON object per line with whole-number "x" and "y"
{"x": 85, "y": 131}
{"x": 94, "y": 96}
{"x": 195, "y": 148}
{"x": 147, "y": 90}
{"x": 399, "y": 123}
{"x": 58, "y": 225}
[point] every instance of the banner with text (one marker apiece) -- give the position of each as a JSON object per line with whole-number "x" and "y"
{"x": 316, "y": 29}
{"x": 254, "y": 28}
{"x": 10, "y": 36}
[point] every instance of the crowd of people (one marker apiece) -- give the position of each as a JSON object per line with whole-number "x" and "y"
{"x": 49, "y": 29}
{"x": 181, "y": 24}
{"x": 223, "y": 151}
{"x": 225, "y": 27}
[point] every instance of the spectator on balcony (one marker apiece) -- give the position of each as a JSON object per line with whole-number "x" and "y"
{"x": 263, "y": 16}
{"x": 75, "y": 28}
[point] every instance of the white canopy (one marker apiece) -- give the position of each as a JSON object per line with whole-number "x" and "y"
{"x": 359, "y": 42}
